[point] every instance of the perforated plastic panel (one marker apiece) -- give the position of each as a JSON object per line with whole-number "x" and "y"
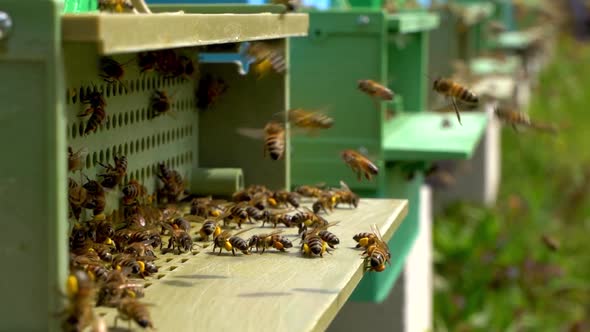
{"x": 130, "y": 129}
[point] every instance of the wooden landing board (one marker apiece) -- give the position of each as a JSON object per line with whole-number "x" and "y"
{"x": 127, "y": 33}
{"x": 270, "y": 292}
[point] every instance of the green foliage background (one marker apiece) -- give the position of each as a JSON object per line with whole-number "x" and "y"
{"x": 493, "y": 271}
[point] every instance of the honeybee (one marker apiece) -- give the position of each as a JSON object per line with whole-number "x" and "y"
{"x": 313, "y": 245}
{"x": 131, "y": 309}
{"x": 78, "y": 313}
{"x": 206, "y": 207}
{"x": 96, "y": 198}
{"x": 326, "y": 202}
{"x": 278, "y": 217}
{"x": 117, "y": 6}
{"x": 345, "y": 195}
{"x": 140, "y": 249}
{"x": 322, "y": 230}
{"x": 174, "y": 185}
{"x": 91, "y": 263}
{"x": 209, "y": 228}
{"x": 111, "y": 70}
{"x": 375, "y": 90}
{"x": 77, "y": 196}
{"x": 125, "y": 236}
{"x": 269, "y": 56}
{"x": 283, "y": 197}
{"x": 146, "y": 61}
{"x": 364, "y": 239}
{"x": 236, "y": 213}
{"x": 76, "y": 159}
{"x": 515, "y": 119}
{"x": 309, "y": 191}
{"x": 455, "y": 91}
{"x": 377, "y": 255}
{"x": 271, "y": 240}
{"x": 210, "y": 90}
{"x": 141, "y": 265}
{"x": 115, "y": 287}
{"x": 114, "y": 174}
{"x": 101, "y": 230}
{"x": 290, "y": 5}
{"x": 311, "y": 120}
{"x": 225, "y": 240}
{"x": 274, "y": 138}
{"x": 359, "y": 164}
{"x": 96, "y": 109}
{"x": 179, "y": 239}
{"x": 307, "y": 218}
{"x": 133, "y": 192}
{"x": 257, "y": 214}
{"x": 160, "y": 103}
{"x": 550, "y": 243}
{"x": 104, "y": 251}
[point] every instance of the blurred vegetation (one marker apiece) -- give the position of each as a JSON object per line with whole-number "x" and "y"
{"x": 494, "y": 272}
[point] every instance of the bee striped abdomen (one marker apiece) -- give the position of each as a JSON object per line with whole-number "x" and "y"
{"x": 275, "y": 146}
{"x": 316, "y": 245}
{"x": 239, "y": 243}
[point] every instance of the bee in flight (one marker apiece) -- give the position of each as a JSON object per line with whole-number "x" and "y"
{"x": 360, "y": 164}
{"x": 377, "y": 255}
{"x": 274, "y": 138}
{"x": 117, "y": 6}
{"x": 310, "y": 120}
{"x": 375, "y": 89}
{"x": 515, "y": 119}
{"x": 455, "y": 91}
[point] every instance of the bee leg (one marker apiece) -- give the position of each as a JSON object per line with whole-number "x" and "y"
{"x": 456, "y": 109}
{"x": 233, "y": 251}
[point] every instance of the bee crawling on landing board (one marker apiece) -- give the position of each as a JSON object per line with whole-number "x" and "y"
{"x": 377, "y": 255}
{"x": 231, "y": 242}
{"x": 455, "y": 91}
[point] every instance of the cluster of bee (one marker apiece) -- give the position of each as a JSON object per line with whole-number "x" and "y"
{"x": 108, "y": 252}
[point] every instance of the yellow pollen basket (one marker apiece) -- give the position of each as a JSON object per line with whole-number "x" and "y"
{"x": 72, "y": 285}
{"x": 141, "y": 266}
{"x": 217, "y": 231}
{"x": 364, "y": 242}
{"x": 227, "y": 246}
{"x": 306, "y": 249}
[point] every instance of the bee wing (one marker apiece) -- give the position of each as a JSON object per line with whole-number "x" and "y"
{"x": 242, "y": 231}
{"x": 344, "y": 186}
{"x": 251, "y": 133}
{"x": 379, "y": 239}
{"x": 330, "y": 224}
{"x": 192, "y": 218}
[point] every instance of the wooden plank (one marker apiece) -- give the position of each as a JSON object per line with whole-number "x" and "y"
{"x": 127, "y": 33}
{"x": 422, "y": 136}
{"x": 270, "y": 292}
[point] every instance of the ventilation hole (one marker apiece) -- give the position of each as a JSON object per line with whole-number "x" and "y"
{"x": 142, "y": 175}
{"x": 143, "y": 114}
{"x": 168, "y": 260}
{"x": 74, "y": 130}
{"x": 147, "y": 284}
{"x": 88, "y": 90}
{"x": 94, "y": 159}
{"x": 178, "y": 135}
{"x": 137, "y": 146}
{"x": 81, "y": 94}
{"x": 81, "y": 128}
{"x": 154, "y": 141}
{"x": 154, "y": 82}
{"x": 172, "y": 268}
{"x": 167, "y": 162}
{"x": 102, "y": 314}
{"x": 168, "y": 136}
{"x": 101, "y": 156}
{"x": 108, "y": 123}
{"x": 88, "y": 161}
{"x": 172, "y": 163}
{"x": 107, "y": 91}
{"x": 148, "y": 171}
{"x": 158, "y": 139}
{"x": 184, "y": 260}
{"x": 126, "y": 149}
{"x": 119, "y": 121}
{"x": 120, "y": 150}
{"x": 126, "y": 178}
{"x": 182, "y": 158}
{"x": 131, "y": 148}
{"x": 195, "y": 253}
{"x": 131, "y": 117}
{"x": 161, "y": 81}
{"x": 126, "y": 121}
{"x": 143, "y": 84}
{"x": 107, "y": 155}
{"x": 160, "y": 276}
{"x": 143, "y": 144}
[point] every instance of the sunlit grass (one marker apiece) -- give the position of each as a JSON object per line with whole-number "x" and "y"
{"x": 493, "y": 271}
